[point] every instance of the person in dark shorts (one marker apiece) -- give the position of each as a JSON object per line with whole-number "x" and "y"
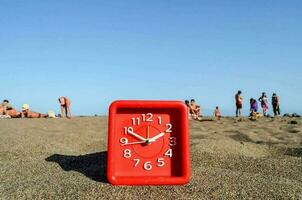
{"x": 26, "y": 113}
{"x": 238, "y": 99}
{"x": 65, "y": 106}
{"x": 275, "y": 104}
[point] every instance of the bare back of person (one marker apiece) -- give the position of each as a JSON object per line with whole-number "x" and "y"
{"x": 238, "y": 99}
{"x": 31, "y": 114}
{"x": 13, "y": 113}
{"x": 1, "y": 109}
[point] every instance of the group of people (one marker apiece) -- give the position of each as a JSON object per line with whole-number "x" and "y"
{"x": 263, "y": 99}
{"x": 8, "y": 111}
{"x": 194, "y": 110}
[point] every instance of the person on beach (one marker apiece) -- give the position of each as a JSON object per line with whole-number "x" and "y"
{"x": 65, "y": 107}
{"x": 275, "y": 104}
{"x": 191, "y": 112}
{"x": 195, "y": 107}
{"x": 6, "y": 109}
{"x": 26, "y": 113}
{"x": 238, "y": 99}
{"x": 3, "y": 106}
{"x": 253, "y": 107}
{"x": 10, "y": 111}
{"x": 264, "y": 103}
{"x": 217, "y": 113}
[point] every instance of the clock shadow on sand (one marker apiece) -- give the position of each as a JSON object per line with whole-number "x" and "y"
{"x": 92, "y": 165}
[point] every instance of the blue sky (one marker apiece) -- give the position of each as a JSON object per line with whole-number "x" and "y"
{"x": 99, "y": 51}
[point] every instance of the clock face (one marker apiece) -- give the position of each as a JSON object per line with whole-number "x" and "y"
{"x": 147, "y": 143}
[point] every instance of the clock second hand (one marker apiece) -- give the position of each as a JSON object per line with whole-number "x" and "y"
{"x": 141, "y": 142}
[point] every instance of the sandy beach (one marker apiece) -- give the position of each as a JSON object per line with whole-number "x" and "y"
{"x": 231, "y": 159}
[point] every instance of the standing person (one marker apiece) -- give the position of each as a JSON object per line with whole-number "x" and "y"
{"x": 65, "y": 106}
{"x": 217, "y": 113}
{"x": 238, "y": 99}
{"x": 264, "y": 103}
{"x": 275, "y": 104}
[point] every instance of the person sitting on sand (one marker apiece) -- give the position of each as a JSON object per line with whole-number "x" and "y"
{"x": 264, "y": 103}
{"x": 192, "y": 113}
{"x": 26, "y": 113}
{"x": 238, "y": 99}
{"x": 217, "y": 113}
{"x": 6, "y": 109}
{"x": 195, "y": 107}
{"x": 254, "y": 107}
{"x": 3, "y": 106}
{"x": 190, "y": 110}
{"x": 254, "y": 115}
{"x": 275, "y": 104}
{"x": 65, "y": 106}
{"x": 10, "y": 111}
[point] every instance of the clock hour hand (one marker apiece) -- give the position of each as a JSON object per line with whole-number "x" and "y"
{"x": 137, "y": 136}
{"x": 153, "y": 139}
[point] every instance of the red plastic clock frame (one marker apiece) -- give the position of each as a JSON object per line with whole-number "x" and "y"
{"x": 149, "y": 180}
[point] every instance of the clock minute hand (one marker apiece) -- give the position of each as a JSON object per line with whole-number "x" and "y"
{"x": 137, "y": 136}
{"x": 153, "y": 139}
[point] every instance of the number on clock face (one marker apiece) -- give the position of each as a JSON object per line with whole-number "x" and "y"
{"x": 144, "y": 131}
{"x": 148, "y": 165}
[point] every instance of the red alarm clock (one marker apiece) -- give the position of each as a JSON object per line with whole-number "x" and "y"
{"x": 148, "y": 143}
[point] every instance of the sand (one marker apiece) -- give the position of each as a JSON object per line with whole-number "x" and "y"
{"x": 231, "y": 159}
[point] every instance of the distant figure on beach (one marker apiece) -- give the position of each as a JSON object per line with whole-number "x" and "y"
{"x": 264, "y": 103}
{"x": 65, "y": 106}
{"x": 253, "y": 107}
{"x": 191, "y": 112}
{"x": 217, "y": 113}
{"x": 195, "y": 107}
{"x": 26, "y": 113}
{"x": 13, "y": 113}
{"x": 7, "y": 109}
{"x": 275, "y": 104}
{"x": 238, "y": 99}
{"x": 3, "y": 106}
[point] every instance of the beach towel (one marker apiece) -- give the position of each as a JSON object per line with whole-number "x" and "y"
{"x": 5, "y": 117}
